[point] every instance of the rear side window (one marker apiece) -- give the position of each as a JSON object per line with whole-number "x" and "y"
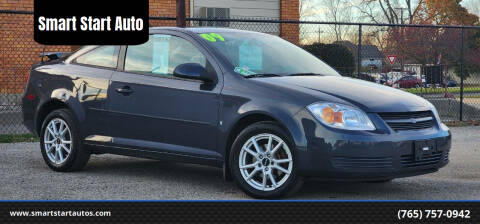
{"x": 161, "y": 55}
{"x": 106, "y": 56}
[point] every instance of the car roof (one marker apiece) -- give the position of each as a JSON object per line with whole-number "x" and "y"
{"x": 202, "y": 30}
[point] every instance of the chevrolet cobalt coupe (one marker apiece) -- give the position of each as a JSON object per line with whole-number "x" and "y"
{"x": 267, "y": 112}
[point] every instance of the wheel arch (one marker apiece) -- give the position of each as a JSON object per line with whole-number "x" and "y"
{"x": 285, "y": 122}
{"x": 59, "y": 100}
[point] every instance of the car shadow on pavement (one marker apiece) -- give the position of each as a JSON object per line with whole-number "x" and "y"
{"x": 192, "y": 178}
{"x": 152, "y": 169}
{"x": 203, "y": 180}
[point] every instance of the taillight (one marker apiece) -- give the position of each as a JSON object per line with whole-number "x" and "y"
{"x": 30, "y": 96}
{"x": 26, "y": 77}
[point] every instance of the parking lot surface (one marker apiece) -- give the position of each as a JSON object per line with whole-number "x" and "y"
{"x": 108, "y": 177}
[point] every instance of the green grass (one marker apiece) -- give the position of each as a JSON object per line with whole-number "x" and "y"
{"x": 442, "y": 90}
{"x": 10, "y": 138}
{"x": 472, "y": 96}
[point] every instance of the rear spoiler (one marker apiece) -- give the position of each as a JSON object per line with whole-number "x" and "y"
{"x": 53, "y": 55}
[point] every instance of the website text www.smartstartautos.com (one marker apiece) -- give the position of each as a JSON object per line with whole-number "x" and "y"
{"x": 60, "y": 213}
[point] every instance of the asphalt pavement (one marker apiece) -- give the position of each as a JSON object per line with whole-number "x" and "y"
{"x": 108, "y": 177}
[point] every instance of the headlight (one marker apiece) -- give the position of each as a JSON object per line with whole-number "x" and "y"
{"x": 434, "y": 110}
{"x": 341, "y": 116}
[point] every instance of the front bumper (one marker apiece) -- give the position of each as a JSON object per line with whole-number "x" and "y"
{"x": 344, "y": 155}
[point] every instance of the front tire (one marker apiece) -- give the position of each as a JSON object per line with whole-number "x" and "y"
{"x": 262, "y": 161}
{"x": 60, "y": 142}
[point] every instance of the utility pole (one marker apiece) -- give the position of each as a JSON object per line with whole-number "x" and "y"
{"x": 462, "y": 73}
{"x": 320, "y": 35}
{"x": 181, "y": 13}
{"x": 359, "y": 51}
{"x": 402, "y": 64}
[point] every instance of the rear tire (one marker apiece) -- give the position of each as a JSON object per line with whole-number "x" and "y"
{"x": 262, "y": 162}
{"x": 60, "y": 142}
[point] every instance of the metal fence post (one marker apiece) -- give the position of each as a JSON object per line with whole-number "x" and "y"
{"x": 462, "y": 72}
{"x": 359, "y": 50}
{"x": 181, "y": 13}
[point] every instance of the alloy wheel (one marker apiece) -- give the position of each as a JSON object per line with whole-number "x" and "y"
{"x": 265, "y": 162}
{"x": 57, "y": 140}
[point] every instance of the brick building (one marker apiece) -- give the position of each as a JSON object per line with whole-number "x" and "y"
{"x": 18, "y": 50}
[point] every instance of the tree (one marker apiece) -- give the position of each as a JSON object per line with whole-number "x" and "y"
{"x": 449, "y": 12}
{"x": 307, "y": 9}
{"x": 390, "y": 11}
{"x": 424, "y": 45}
{"x": 338, "y": 11}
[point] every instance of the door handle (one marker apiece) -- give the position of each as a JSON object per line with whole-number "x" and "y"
{"x": 124, "y": 90}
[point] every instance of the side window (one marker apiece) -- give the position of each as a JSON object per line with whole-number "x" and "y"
{"x": 106, "y": 56}
{"x": 161, "y": 55}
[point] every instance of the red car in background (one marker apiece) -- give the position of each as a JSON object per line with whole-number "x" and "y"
{"x": 408, "y": 82}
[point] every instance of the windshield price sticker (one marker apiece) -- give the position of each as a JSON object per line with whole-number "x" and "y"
{"x": 212, "y": 37}
{"x": 243, "y": 71}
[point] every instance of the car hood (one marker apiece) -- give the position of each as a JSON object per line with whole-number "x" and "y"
{"x": 370, "y": 97}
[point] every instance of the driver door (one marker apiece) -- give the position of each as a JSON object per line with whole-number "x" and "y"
{"x": 150, "y": 109}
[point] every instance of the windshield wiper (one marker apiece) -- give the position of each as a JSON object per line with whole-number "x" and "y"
{"x": 305, "y": 74}
{"x": 261, "y": 75}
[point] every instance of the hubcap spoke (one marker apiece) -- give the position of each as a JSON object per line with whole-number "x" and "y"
{"x": 274, "y": 150}
{"x": 50, "y": 148}
{"x": 272, "y": 179}
{"x": 57, "y": 157}
{"x": 62, "y": 126}
{"x": 54, "y": 127}
{"x": 257, "y": 147}
{"x": 249, "y": 166}
{"x": 281, "y": 169}
{"x": 250, "y": 151}
{"x": 60, "y": 154}
{"x": 252, "y": 174}
{"x": 66, "y": 149}
{"x": 269, "y": 145}
{"x": 51, "y": 132}
{"x": 63, "y": 132}
{"x": 282, "y": 160}
{"x": 264, "y": 181}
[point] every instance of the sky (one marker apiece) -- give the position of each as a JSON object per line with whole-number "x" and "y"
{"x": 473, "y": 6}
{"x": 319, "y": 9}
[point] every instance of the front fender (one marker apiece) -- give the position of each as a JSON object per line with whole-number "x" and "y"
{"x": 286, "y": 118}
{"x": 282, "y": 113}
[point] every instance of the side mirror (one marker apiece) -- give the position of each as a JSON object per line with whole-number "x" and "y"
{"x": 193, "y": 71}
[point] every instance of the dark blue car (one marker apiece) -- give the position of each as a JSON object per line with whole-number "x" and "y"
{"x": 264, "y": 110}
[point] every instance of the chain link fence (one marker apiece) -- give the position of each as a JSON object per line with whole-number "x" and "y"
{"x": 426, "y": 60}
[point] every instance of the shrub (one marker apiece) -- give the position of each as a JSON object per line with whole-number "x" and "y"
{"x": 337, "y": 56}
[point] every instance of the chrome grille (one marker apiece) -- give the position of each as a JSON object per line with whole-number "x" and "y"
{"x": 404, "y": 121}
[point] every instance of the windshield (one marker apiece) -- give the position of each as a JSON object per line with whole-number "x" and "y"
{"x": 253, "y": 54}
